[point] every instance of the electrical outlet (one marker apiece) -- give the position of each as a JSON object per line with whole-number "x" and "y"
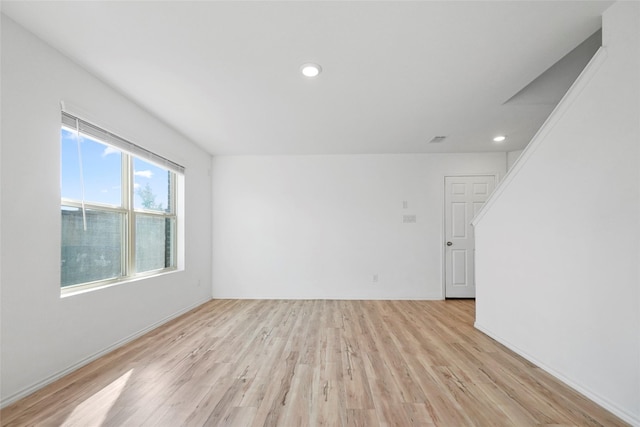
{"x": 405, "y": 204}
{"x": 375, "y": 278}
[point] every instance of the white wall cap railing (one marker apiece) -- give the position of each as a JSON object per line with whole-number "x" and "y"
{"x": 563, "y": 106}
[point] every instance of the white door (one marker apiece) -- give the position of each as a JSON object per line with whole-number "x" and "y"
{"x": 464, "y": 197}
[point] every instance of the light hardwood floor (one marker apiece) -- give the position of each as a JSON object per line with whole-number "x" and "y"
{"x": 311, "y": 363}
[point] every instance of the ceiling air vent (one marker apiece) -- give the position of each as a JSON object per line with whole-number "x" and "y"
{"x": 437, "y": 139}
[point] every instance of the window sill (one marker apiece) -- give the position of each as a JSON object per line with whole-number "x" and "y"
{"x": 83, "y": 289}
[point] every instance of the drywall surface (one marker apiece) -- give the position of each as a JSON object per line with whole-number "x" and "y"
{"x": 557, "y": 249}
{"x": 333, "y": 226}
{"x": 512, "y": 157}
{"x": 42, "y": 333}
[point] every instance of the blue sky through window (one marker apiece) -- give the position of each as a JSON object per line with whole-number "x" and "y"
{"x": 101, "y": 167}
{"x": 157, "y": 179}
{"x": 102, "y": 174}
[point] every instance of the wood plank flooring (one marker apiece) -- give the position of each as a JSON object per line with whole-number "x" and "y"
{"x": 311, "y": 363}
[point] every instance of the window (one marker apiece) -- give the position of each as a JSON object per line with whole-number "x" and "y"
{"x": 118, "y": 207}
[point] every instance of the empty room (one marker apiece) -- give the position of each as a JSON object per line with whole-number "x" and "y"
{"x": 305, "y": 213}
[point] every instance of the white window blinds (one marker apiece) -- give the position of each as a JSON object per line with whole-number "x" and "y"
{"x": 75, "y": 123}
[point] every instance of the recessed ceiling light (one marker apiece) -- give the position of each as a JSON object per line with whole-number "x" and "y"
{"x": 310, "y": 70}
{"x": 499, "y": 138}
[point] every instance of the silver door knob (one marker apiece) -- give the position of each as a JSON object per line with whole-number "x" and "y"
{"x": 449, "y": 243}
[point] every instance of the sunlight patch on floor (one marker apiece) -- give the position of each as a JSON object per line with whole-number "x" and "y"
{"x": 94, "y": 410}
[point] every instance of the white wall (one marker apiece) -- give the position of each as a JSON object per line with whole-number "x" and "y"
{"x": 43, "y": 334}
{"x": 557, "y": 248}
{"x": 323, "y": 226}
{"x": 512, "y": 157}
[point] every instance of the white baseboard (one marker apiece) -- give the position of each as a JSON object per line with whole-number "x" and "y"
{"x": 326, "y": 298}
{"x": 56, "y": 376}
{"x": 605, "y": 403}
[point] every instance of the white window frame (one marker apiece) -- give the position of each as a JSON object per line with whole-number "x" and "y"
{"x": 129, "y": 152}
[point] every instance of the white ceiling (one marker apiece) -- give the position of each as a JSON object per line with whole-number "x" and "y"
{"x": 396, "y": 74}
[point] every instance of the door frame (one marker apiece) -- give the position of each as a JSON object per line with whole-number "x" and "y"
{"x": 443, "y": 230}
